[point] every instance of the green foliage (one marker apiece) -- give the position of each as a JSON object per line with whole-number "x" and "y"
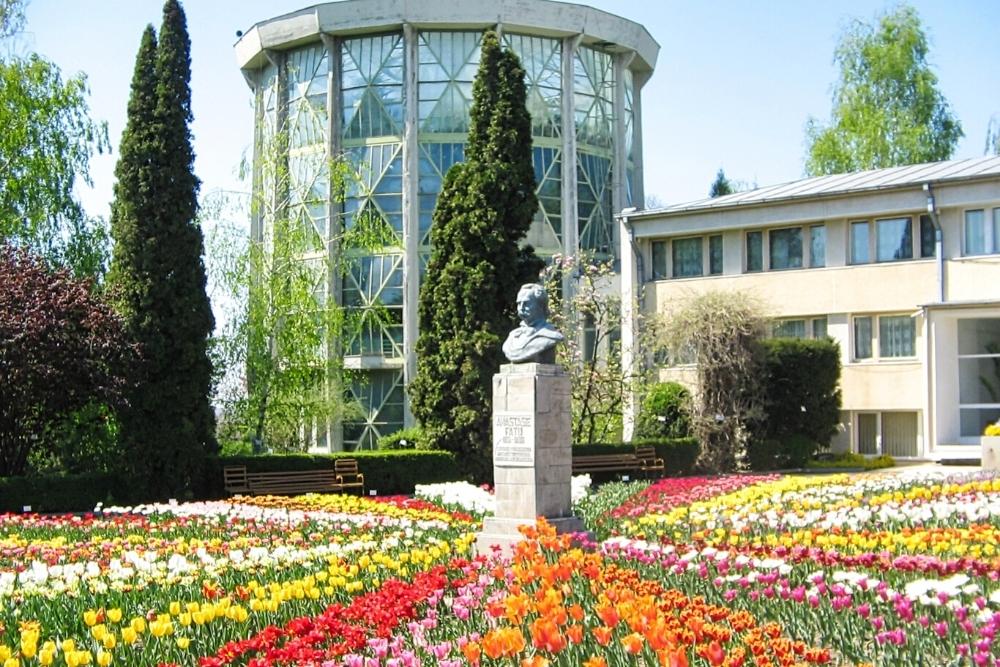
{"x": 60, "y": 493}
{"x": 62, "y": 351}
{"x": 790, "y": 451}
{"x": 887, "y": 109}
{"x": 46, "y": 144}
{"x": 664, "y": 412}
{"x": 407, "y": 438}
{"x": 467, "y": 298}
{"x": 86, "y": 440}
{"x": 721, "y": 186}
{"x": 595, "y": 508}
{"x": 851, "y": 460}
{"x": 723, "y": 330}
{"x": 157, "y": 271}
{"x": 386, "y": 473}
{"x": 590, "y": 320}
{"x": 801, "y": 388}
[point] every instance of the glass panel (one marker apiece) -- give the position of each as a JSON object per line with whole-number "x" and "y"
{"x": 862, "y": 338}
{"x": 899, "y": 433}
{"x": 819, "y": 325}
{"x": 789, "y": 329}
{"x": 979, "y": 380}
{"x": 975, "y": 420}
{"x": 594, "y": 203}
{"x": 817, "y": 245}
{"x": 785, "y": 247}
{"x": 979, "y": 336}
{"x": 755, "y": 251}
{"x": 593, "y": 89}
{"x": 373, "y": 297}
{"x": 896, "y": 336}
{"x": 975, "y": 233}
{"x": 545, "y": 233}
{"x": 927, "y": 236}
{"x": 859, "y": 243}
{"x": 715, "y": 254}
{"x": 372, "y": 86}
{"x": 374, "y": 192}
{"x": 378, "y": 397}
{"x": 867, "y": 434}
{"x": 447, "y": 67}
{"x": 541, "y": 58}
{"x": 894, "y": 239}
{"x": 659, "y": 252}
{"x": 996, "y": 230}
{"x": 307, "y": 74}
{"x": 686, "y": 256}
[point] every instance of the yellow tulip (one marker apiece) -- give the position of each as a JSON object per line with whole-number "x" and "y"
{"x": 103, "y": 659}
{"x": 183, "y": 642}
{"x": 129, "y": 635}
{"x": 114, "y": 615}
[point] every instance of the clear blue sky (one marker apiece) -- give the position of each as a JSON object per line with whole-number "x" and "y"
{"x": 734, "y": 84}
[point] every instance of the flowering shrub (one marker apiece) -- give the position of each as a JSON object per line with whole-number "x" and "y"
{"x": 992, "y": 429}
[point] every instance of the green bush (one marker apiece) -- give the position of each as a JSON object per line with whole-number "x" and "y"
{"x": 407, "y": 438}
{"x": 665, "y": 412}
{"x": 852, "y": 460}
{"x": 678, "y": 454}
{"x": 60, "y": 493}
{"x": 801, "y": 394}
{"x": 791, "y": 451}
{"x": 388, "y": 473}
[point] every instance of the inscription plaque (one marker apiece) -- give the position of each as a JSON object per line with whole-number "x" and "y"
{"x": 513, "y": 439}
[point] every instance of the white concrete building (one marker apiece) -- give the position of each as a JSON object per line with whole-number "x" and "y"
{"x": 900, "y": 266}
{"x": 387, "y": 85}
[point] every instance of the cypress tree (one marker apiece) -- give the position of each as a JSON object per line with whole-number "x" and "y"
{"x": 467, "y": 298}
{"x": 158, "y": 272}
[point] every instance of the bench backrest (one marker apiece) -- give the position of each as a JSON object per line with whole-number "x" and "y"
{"x": 345, "y": 466}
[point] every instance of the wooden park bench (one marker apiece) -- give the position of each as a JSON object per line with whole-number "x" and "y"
{"x": 606, "y": 463}
{"x": 344, "y": 475}
{"x": 651, "y": 463}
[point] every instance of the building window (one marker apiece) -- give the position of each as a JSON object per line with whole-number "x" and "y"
{"x": 786, "y": 248}
{"x": 686, "y": 256}
{"x": 928, "y": 236}
{"x": 862, "y": 338}
{"x": 659, "y": 253}
{"x": 859, "y": 243}
{"x": 817, "y": 245}
{"x": 892, "y": 433}
{"x": 755, "y": 251}
{"x": 715, "y": 254}
{"x": 982, "y": 237}
{"x": 978, "y": 374}
{"x": 893, "y": 336}
{"x": 890, "y": 240}
{"x": 893, "y": 240}
{"x": 814, "y": 327}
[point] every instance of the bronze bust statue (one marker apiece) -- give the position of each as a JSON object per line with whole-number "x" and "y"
{"x": 535, "y": 340}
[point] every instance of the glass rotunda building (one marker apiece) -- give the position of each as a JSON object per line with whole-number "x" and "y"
{"x": 386, "y": 85}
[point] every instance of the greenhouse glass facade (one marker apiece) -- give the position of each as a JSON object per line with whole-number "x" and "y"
{"x": 392, "y": 102}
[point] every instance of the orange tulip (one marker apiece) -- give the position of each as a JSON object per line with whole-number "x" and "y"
{"x": 595, "y": 661}
{"x": 602, "y": 634}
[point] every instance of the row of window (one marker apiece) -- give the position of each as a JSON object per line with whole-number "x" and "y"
{"x": 874, "y": 337}
{"x": 880, "y": 240}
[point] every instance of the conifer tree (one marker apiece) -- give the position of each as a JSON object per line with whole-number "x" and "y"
{"x": 467, "y": 298}
{"x": 157, "y": 269}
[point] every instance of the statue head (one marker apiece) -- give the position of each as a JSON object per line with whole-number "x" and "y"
{"x": 532, "y": 304}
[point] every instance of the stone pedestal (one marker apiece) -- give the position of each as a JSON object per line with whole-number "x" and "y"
{"x": 532, "y": 455}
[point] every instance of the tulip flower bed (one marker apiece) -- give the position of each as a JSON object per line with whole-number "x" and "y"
{"x": 759, "y": 571}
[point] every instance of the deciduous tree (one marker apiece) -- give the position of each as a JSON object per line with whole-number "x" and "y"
{"x": 46, "y": 144}
{"x": 62, "y": 349}
{"x": 887, "y": 109}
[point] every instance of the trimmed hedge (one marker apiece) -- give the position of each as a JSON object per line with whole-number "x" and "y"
{"x": 387, "y": 472}
{"x": 60, "y": 493}
{"x": 678, "y": 454}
